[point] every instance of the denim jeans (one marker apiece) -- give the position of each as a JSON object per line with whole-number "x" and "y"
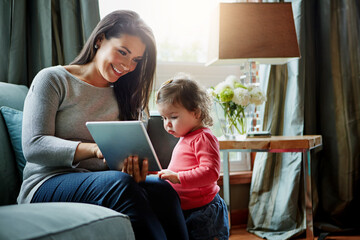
{"x": 208, "y": 222}
{"x": 153, "y": 206}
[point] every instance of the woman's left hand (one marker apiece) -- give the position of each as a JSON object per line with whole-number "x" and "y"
{"x": 131, "y": 167}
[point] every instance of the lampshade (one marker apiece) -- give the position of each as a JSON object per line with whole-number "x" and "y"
{"x": 261, "y": 32}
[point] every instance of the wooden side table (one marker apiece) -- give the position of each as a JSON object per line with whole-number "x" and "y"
{"x": 275, "y": 144}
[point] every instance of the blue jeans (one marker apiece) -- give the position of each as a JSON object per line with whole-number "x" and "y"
{"x": 208, "y": 222}
{"x": 153, "y": 206}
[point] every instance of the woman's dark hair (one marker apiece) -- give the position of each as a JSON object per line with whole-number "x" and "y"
{"x": 132, "y": 90}
{"x": 182, "y": 90}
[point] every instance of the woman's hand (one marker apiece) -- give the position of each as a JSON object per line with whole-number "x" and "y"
{"x": 86, "y": 151}
{"x": 97, "y": 152}
{"x": 169, "y": 175}
{"x": 131, "y": 167}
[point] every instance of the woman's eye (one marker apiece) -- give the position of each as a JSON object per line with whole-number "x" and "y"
{"x": 122, "y": 52}
{"x": 137, "y": 60}
{"x": 174, "y": 117}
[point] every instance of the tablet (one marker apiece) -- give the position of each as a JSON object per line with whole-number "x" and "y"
{"x": 119, "y": 139}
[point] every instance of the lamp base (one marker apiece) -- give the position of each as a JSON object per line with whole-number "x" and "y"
{"x": 250, "y": 77}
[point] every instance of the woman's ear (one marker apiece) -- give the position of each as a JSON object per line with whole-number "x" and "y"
{"x": 99, "y": 39}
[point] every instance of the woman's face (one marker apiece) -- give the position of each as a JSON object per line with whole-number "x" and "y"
{"x": 118, "y": 56}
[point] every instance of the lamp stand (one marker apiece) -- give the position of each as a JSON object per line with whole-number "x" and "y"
{"x": 250, "y": 76}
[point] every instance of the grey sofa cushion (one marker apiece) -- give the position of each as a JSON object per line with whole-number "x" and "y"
{"x": 63, "y": 221}
{"x": 162, "y": 141}
{"x": 13, "y": 120}
{"x": 13, "y": 96}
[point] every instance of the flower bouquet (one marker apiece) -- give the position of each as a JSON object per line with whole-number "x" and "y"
{"x": 234, "y": 97}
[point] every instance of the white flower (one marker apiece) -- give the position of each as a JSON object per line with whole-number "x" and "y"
{"x": 211, "y": 92}
{"x": 232, "y": 90}
{"x": 257, "y": 96}
{"x": 241, "y": 97}
{"x": 230, "y": 80}
{"x": 233, "y": 97}
{"x": 222, "y": 86}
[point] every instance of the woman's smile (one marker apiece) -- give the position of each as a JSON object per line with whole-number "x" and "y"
{"x": 117, "y": 71}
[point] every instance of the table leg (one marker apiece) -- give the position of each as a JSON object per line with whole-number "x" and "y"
{"x": 308, "y": 195}
{"x": 226, "y": 182}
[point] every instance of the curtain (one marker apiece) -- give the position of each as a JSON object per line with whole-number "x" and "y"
{"x": 318, "y": 94}
{"x": 339, "y": 116}
{"x": 275, "y": 206}
{"x": 40, "y": 33}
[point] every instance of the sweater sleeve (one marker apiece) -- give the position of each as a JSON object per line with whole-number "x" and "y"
{"x": 206, "y": 149}
{"x": 40, "y": 145}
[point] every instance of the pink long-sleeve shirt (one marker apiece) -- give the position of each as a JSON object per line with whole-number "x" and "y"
{"x": 196, "y": 158}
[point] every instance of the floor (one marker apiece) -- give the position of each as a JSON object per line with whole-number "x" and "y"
{"x": 240, "y": 233}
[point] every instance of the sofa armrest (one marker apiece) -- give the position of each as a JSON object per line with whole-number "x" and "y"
{"x": 63, "y": 221}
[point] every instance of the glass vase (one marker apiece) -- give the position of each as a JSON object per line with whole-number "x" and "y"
{"x": 232, "y": 120}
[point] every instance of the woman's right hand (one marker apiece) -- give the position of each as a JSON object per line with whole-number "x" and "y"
{"x": 131, "y": 167}
{"x": 97, "y": 152}
{"x": 86, "y": 151}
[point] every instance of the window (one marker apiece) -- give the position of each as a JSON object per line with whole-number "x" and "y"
{"x": 181, "y": 30}
{"x": 180, "y": 27}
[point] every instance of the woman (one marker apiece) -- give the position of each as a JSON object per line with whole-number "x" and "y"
{"x": 111, "y": 79}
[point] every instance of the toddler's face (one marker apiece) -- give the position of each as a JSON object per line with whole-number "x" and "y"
{"x": 178, "y": 121}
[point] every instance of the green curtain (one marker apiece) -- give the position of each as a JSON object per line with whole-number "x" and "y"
{"x": 317, "y": 94}
{"x": 339, "y": 115}
{"x": 40, "y": 33}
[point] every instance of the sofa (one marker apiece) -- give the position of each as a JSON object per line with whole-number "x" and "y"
{"x": 43, "y": 220}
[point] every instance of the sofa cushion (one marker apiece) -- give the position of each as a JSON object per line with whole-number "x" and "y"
{"x": 162, "y": 141}
{"x": 63, "y": 221}
{"x": 13, "y": 96}
{"x": 13, "y": 120}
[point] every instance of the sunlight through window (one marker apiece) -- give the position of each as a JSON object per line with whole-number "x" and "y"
{"x": 181, "y": 28}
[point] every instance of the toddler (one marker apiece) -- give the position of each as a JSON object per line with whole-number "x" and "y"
{"x": 195, "y": 163}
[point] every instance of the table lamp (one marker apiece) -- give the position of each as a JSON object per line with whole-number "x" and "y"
{"x": 248, "y": 34}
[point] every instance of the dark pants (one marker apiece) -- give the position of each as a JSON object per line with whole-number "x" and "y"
{"x": 153, "y": 206}
{"x": 208, "y": 222}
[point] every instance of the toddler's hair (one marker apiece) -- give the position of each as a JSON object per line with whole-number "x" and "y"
{"x": 183, "y": 90}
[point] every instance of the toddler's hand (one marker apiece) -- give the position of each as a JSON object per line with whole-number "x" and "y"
{"x": 169, "y": 175}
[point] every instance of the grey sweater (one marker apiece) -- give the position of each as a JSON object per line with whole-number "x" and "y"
{"x": 55, "y": 112}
